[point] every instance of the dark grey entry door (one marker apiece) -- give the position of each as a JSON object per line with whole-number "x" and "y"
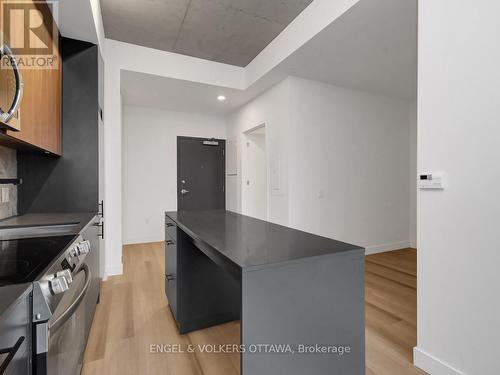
{"x": 200, "y": 174}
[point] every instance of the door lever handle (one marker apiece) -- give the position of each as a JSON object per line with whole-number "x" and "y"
{"x": 184, "y": 191}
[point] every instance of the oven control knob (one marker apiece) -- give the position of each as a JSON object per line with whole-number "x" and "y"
{"x": 84, "y": 247}
{"x": 58, "y": 285}
{"x": 66, "y": 274}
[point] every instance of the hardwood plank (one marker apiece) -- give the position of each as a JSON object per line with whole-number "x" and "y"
{"x": 404, "y": 260}
{"x": 133, "y": 315}
{"x": 391, "y": 274}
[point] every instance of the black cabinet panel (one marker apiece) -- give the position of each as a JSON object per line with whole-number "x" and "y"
{"x": 199, "y": 292}
{"x": 68, "y": 183}
{"x": 170, "y": 228}
{"x": 171, "y": 274}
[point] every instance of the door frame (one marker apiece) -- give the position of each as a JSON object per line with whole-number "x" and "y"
{"x": 244, "y": 165}
{"x": 222, "y": 143}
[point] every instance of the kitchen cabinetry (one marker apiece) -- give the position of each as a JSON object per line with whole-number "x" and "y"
{"x": 171, "y": 264}
{"x": 287, "y": 288}
{"x": 41, "y": 104}
{"x": 69, "y": 183}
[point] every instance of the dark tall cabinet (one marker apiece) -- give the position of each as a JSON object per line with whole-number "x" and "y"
{"x": 68, "y": 183}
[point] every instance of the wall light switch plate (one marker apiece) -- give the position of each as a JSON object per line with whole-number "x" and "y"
{"x": 430, "y": 181}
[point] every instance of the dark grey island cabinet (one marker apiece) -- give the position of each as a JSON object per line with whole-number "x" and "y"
{"x": 300, "y": 297}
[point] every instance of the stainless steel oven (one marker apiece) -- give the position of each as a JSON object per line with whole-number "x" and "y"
{"x": 64, "y": 301}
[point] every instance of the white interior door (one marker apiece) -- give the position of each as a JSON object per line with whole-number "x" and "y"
{"x": 254, "y": 173}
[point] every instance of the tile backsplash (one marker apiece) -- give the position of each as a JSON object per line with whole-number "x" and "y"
{"x": 8, "y": 169}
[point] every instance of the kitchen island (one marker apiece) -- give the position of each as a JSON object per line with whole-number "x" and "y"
{"x": 300, "y": 297}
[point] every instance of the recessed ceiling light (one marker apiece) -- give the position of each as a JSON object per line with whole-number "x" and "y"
{"x": 221, "y": 98}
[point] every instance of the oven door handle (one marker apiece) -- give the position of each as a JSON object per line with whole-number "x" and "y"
{"x": 61, "y": 319}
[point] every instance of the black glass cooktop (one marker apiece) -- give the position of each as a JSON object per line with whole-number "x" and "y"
{"x": 24, "y": 259}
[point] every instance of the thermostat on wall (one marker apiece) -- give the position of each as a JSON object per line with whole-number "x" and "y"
{"x": 430, "y": 181}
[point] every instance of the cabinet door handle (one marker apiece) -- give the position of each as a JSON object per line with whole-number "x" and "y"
{"x": 100, "y": 230}
{"x": 170, "y": 242}
{"x": 170, "y": 225}
{"x": 101, "y": 209}
{"x": 170, "y": 277}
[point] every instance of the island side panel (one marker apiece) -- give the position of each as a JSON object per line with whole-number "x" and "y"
{"x": 313, "y": 301}
{"x": 207, "y": 294}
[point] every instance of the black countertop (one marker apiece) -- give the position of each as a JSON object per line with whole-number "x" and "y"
{"x": 81, "y": 219}
{"x": 51, "y": 224}
{"x": 249, "y": 242}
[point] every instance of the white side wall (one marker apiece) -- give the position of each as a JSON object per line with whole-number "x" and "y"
{"x": 458, "y": 228}
{"x": 344, "y": 159}
{"x": 350, "y": 156}
{"x": 413, "y": 174}
{"x": 149, "y": 163}
{"x": 271, "y": 108}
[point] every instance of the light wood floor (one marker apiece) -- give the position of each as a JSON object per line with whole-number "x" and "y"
{"x": 133, "y": 314}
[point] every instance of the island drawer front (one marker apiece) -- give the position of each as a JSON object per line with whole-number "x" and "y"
{"x": 169, "y": 237}
{"x": 170, "y": 228}
{"x": 170, "y": 255}
{"x": 171, "y": 274}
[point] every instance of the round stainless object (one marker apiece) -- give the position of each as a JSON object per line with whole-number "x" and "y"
{"x": 58, "y": 285}
{"x": 66, "y": 274}
{"x": 84, "y": 247}
{"x": 7, "y": 113}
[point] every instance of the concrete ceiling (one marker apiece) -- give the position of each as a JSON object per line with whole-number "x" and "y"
{"x": 227, "y": 31}
{"x": 371, "y": 47}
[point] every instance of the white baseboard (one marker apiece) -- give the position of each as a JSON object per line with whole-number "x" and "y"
{"x": 113, "y": 270}
{"x": 387, "y": 247}
{"x": 433, "y": 365}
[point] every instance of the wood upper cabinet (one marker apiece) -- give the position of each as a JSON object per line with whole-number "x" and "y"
{"x": 41, "y": 104}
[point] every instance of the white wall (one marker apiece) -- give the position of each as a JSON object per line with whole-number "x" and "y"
{"x": 413, "y": 174}
{"x": 271, "y": 108}
{"x": 349, "y": 165}
{"x": 458, "y": 228}
{"x": 149, "y": 162}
